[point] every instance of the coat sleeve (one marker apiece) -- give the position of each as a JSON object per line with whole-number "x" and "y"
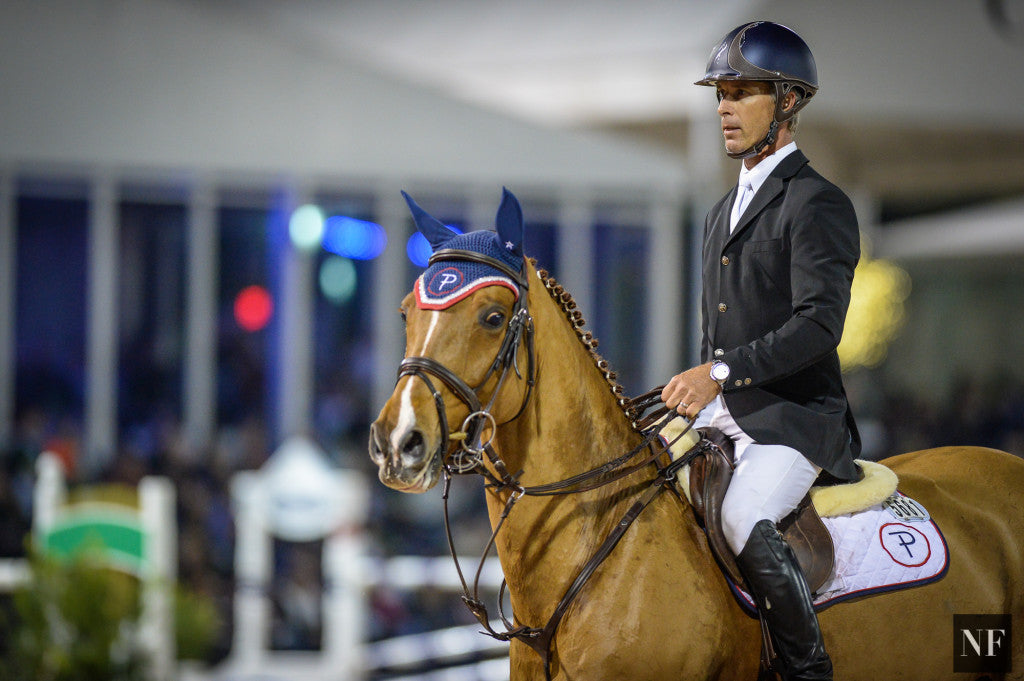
{"x": 824, "y": 245}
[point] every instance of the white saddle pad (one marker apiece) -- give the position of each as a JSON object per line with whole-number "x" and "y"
{"x": 892, "y": 545}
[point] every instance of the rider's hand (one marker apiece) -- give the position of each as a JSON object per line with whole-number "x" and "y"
{"x": 690, "y": 391}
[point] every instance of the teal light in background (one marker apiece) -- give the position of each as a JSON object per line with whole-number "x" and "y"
{"x": 306, "y": 227}
{"x": 337, "y": 279}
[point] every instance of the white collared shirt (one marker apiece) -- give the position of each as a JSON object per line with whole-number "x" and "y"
{"x": 754, "y": 178}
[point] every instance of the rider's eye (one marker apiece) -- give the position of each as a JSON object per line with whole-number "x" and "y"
{"x": 494, "y": 319}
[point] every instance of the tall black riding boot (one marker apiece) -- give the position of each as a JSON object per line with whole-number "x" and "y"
{"x": 780, "y": 591}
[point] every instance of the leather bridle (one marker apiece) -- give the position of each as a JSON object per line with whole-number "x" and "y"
{"x": 520, "y": 328}
{"x": 469, "y": 456}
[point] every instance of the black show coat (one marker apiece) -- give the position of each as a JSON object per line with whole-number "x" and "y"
{"x": 775, "y": 297}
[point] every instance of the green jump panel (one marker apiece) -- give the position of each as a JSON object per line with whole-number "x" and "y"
{"x": 115, "y": 535}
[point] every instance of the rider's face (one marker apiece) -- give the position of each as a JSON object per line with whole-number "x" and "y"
{"x": 746, "y": 108}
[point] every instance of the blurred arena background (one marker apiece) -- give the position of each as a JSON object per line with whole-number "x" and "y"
{"x": 203, "y": 245}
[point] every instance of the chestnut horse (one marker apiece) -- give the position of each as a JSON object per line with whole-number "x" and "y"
{"x": 507, "y": 347}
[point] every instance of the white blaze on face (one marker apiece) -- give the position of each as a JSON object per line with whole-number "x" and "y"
{"x": 406, "y": 415}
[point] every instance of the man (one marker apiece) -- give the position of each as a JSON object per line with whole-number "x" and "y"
{"x": 778, "y": 259}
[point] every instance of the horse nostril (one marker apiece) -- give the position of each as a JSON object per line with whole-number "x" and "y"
{"x": 377, "y": 444}
{"x": 412, "y": 445}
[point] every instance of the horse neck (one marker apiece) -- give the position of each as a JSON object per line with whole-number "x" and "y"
{"x": 572, "y": 424}
{"x": 573, "y": 421}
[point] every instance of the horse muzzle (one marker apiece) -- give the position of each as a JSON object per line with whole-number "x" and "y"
{"x": 405, "y": 459}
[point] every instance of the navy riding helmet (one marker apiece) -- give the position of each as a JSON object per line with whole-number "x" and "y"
{"x": 769, "y": 52}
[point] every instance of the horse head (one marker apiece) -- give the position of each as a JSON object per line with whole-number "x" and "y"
{"x": 463, "y": 374}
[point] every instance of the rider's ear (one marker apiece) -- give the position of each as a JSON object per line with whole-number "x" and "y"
{"x": 509, "y": 223}
{"x": 432, "y": 228}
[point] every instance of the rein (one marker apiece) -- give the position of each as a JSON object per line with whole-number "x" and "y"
{"x": 469, "y": 458}
{"x": 540, "y": 638}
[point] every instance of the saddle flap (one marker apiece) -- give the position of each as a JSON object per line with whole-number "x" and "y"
{"x": 803, "y": 530}
{"x": 710, "y": 474}
{"x": 811, "y": 542}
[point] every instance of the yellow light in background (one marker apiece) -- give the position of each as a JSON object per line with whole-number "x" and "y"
{"x": 876, "y": 313}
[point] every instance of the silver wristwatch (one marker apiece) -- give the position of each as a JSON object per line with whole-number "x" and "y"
{"x": 720, "y": 372}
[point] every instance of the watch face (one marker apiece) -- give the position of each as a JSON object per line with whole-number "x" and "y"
{"x": 720, "y": 371}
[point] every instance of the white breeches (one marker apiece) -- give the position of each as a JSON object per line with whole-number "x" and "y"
{"x": 767, "y": 484}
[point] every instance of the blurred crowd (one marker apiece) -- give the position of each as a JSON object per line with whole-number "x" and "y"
{"x": 891, "y": 421}
{"x": 975, "y": 411}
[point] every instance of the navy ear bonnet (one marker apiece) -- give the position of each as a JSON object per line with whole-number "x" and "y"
{"x": 446, "y": 282}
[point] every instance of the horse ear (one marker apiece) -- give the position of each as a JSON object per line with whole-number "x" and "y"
{"x": 509, "y": 223}
{"x": 430, "y": 227}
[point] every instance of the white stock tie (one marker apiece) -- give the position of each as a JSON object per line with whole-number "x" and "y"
{"x": 743, "y": 194}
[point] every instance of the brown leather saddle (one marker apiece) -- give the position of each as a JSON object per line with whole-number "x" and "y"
{"x": 710, "y": 474}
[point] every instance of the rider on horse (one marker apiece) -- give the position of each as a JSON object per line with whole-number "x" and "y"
{"x": 779, "y": 255}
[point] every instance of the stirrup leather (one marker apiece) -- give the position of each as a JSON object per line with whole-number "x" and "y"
{"x": 710, "y": 474}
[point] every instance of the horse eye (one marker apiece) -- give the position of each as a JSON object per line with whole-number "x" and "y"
{"x": 494, "y": 319}
{"x": 401, "y": 311}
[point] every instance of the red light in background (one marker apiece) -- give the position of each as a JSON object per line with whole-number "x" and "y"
{"x": 253, "y": 308}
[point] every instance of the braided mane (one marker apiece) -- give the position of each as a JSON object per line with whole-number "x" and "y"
{"x": 575, "y": 318}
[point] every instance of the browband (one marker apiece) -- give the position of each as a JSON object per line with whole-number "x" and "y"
{"x": 459, "y": 254}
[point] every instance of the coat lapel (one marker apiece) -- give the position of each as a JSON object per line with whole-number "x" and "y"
{"x": 719, "y": 238}
{"x": 718, "y": 232}
{"x": 766, "y": 193}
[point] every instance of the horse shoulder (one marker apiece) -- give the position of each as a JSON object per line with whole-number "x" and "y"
{"x": 659, "y": 609}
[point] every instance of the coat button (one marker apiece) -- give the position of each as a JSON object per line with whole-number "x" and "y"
{"x": 725, "y": 260}
{"x": 722, "y": 307}
{"x": 719, "y": 352}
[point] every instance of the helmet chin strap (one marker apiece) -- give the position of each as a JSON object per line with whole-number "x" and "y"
{"x": 768, "y": 140}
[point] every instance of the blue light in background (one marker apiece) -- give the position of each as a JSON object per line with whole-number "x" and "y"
{"x": 418, "y": 248}
{"x": 352, "y": 238}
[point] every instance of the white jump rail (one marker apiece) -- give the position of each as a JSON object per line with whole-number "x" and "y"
{"x": 14, "y": 573}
